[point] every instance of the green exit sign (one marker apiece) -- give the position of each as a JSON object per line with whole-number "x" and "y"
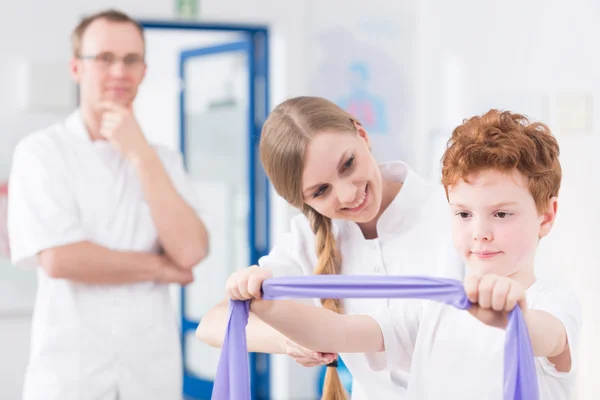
{"x": 187, "y": 8}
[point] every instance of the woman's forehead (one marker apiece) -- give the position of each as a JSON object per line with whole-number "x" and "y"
{"x": 324, "y": 155}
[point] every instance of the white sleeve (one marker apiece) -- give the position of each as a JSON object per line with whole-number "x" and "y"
{"x": 281, "y": 259}
{"x": 294, "y": 253}
{"x": 565, "y": 306}
{"x": 399, "y": 325}
{"x": 42, "y": 212}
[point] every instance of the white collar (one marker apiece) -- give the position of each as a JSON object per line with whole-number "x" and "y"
{"x": 76, "y": 126}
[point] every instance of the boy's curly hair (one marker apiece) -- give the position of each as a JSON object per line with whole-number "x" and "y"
{"x": 505, "y": 141}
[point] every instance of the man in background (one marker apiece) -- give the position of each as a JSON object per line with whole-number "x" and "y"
{"x": 109, "y": 221}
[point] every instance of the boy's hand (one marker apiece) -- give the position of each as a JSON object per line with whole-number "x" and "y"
{"x": 493, "y": 297}
{"x": 246, "y": 283}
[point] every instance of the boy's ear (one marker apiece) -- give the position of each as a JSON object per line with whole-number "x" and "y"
{"x": 548, "y": 217}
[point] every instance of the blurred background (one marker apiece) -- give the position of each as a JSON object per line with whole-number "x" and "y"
{"x": 410, "y": 70}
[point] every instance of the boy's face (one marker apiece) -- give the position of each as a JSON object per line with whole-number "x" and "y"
{"x": 496, "y": 226}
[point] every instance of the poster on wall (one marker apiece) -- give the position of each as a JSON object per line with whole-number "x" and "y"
{"x": 362, "y": 58}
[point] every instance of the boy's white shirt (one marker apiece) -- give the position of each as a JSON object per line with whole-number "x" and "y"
{"x": 452, "y": 355}
{"x": 406, "y": 245}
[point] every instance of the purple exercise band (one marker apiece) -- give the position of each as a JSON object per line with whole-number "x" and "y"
{"x": 232, "y": 381}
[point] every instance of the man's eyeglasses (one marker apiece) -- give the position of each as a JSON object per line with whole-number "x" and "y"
{"x": 131, "y": 61}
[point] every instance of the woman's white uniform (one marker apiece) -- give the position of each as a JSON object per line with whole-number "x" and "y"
{"x": 414, "y": 238}
{"x": 99, "y": 342}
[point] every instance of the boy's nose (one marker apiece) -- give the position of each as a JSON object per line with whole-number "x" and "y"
{"x": 483, "y": 234}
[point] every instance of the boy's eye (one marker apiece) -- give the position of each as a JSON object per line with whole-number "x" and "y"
{"x": 320, "y": 191}
{"x": 502, "y": 214}
{"x": 463, "y": 214}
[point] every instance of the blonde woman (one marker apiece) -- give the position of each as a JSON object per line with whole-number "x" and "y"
{"x": 358, "y": 218}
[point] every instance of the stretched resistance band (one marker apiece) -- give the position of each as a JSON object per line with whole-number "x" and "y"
{"x": 232, "y": 381}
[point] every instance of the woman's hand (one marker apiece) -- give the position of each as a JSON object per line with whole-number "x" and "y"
{"x": 306, "y": 357}
{"x": 246, "y": 283}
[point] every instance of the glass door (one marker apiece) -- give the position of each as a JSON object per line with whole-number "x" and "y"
{"x": 223, "y": 104}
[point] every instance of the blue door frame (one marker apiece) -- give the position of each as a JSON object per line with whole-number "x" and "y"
{"x": 257, "y": 47}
